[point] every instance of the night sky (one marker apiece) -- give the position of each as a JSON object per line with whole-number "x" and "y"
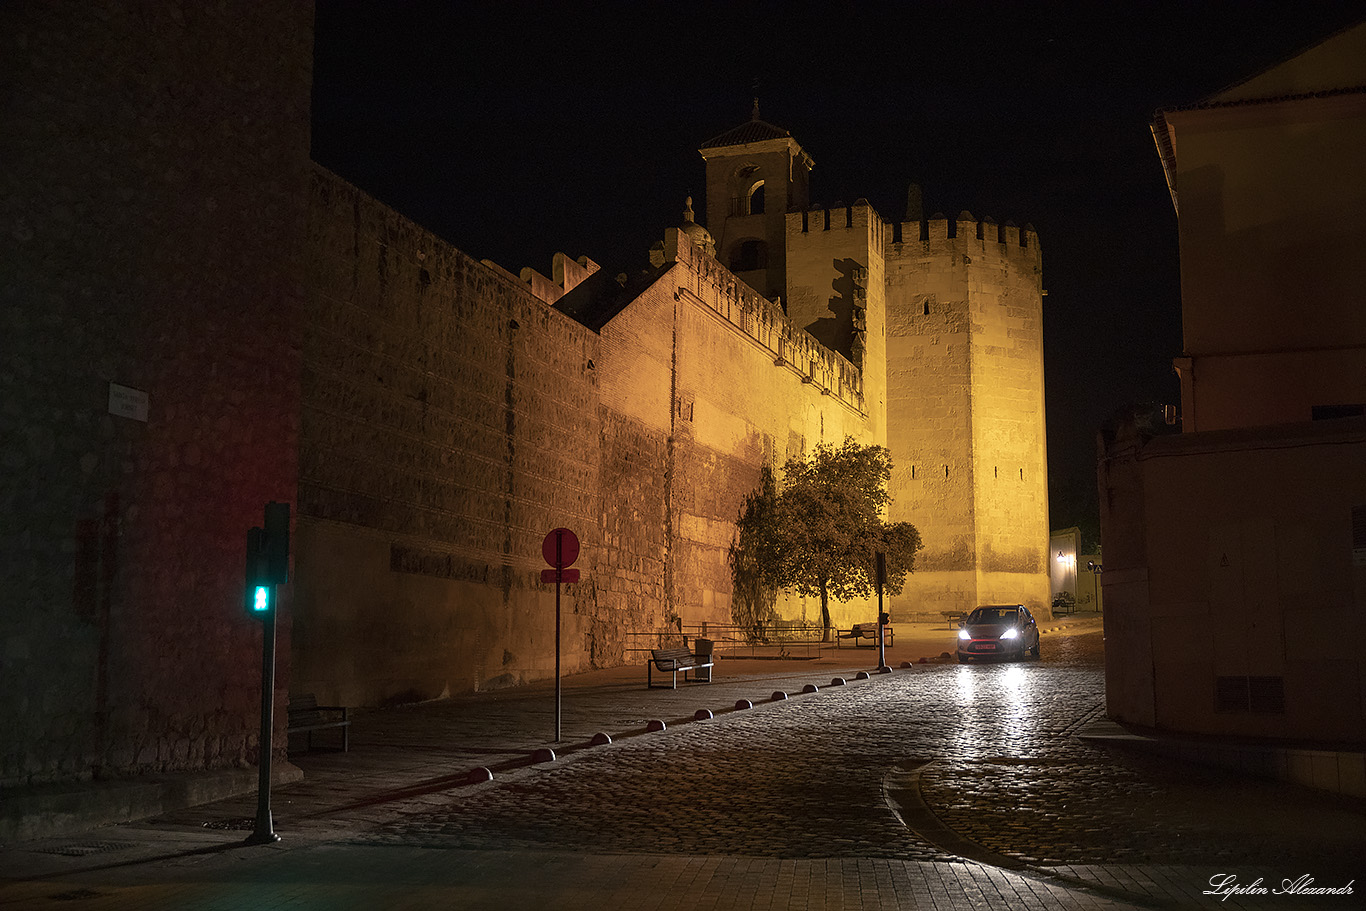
{"x": 516, "y": 131}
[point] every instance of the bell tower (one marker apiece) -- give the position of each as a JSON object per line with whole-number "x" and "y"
{"x": 756, "y": 172}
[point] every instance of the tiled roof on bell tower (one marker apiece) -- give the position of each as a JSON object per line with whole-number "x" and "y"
{"x": 753, "y": 130}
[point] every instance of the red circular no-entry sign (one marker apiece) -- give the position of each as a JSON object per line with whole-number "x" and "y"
{"x": 560, "y": 548}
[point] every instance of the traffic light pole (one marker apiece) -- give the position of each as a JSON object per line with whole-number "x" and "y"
{"x": 267, "y": 566}
{"x": 265, "y": 826}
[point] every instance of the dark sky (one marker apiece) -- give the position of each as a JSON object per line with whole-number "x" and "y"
{"x": 518, "y": 130}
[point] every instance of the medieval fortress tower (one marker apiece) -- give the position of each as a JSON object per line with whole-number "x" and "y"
{"x": 945, "y": 321}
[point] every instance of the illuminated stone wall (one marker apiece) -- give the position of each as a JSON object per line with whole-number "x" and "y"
{"x": 836, "y": 291}
{"x": 965, "y": 414}
{"x": 750, "y": 389}
{"x": 450, "y": 420}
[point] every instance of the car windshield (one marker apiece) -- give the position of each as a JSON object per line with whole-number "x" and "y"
{"x": 992, "y": 615}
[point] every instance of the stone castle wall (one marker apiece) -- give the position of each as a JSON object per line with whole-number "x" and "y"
{"x": 751, "y": 389}
{"x": 450, "y": 420}
{"x": 152, "y": 209}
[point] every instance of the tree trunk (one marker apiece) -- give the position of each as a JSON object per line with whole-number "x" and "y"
{"x": 825, "y": 613}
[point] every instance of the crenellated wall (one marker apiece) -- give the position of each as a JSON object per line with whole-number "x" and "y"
{"x": 568, "y": 274}
{"x": 836, "y": 291}
{"x": 765, "y": 322}
{"x": 966, "y": 412}
{"x": 723, "y": 379}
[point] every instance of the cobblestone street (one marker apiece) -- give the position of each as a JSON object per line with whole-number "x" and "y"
{"x": 989, "y": 750}
{"x": 937, "y": 786}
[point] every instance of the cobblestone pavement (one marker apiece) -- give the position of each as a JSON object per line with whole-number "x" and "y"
{"x": 936, "y": 764}
{"x": 936, "y": 787}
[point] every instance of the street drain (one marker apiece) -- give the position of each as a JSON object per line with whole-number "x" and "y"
{"x": 232, "y": 825}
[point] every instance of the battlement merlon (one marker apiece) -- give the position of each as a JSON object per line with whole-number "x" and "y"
{"x": 764, "y": 321}
{"x": 815, "y": 218}
{"x": 984, "y": 237}
{"x": 568, "y": 273}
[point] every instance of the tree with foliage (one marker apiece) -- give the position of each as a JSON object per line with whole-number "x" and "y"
{"x": 821, "y": 534}
{"x": 753, "y": 593}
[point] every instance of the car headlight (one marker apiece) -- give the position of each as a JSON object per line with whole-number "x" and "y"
{"x": 963, "y": 634}
{"x": 1010, "y": 633}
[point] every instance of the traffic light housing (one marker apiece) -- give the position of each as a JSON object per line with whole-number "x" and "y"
{"x": 277, "y": 543}
{"x": 267, "y": 561}
{"x": 260, "y": 593}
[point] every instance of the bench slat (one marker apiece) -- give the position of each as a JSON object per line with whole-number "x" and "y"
{"x": 674, "y": 660}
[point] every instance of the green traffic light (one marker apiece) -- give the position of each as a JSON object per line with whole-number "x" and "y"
{"x": 260, "y": 602}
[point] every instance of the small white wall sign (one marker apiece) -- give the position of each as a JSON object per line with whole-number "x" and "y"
{"x": 128, "y": 403}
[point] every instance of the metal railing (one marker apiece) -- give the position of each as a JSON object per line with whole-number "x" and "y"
{"x": 775, "y": 639}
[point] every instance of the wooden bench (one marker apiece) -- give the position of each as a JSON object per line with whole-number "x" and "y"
{"x": 863, "y": 631}
{"x": 673, "y": 660}
{"x": 952, "y": 616}
{"x": 306, "y": 716}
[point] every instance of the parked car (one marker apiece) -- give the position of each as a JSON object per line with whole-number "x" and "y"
{"x": 998, "y": 631}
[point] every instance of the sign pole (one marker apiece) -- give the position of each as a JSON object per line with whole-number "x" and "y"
{"x": 559, "y": 565}
{"x": 560, "y": 549}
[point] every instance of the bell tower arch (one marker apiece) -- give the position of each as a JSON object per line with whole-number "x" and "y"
{"x": 756, "y": 173}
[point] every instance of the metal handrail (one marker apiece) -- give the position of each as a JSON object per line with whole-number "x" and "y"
{"x": 773, "y": 639}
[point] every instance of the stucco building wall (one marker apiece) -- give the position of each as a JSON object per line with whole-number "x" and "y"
{"x": 1235, "y": 551}
{"x": 1271, "y": 258}
{"x": 1230, "y": 586}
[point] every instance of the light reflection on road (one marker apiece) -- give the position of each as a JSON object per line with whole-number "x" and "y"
{"x": 993, "y": 703}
